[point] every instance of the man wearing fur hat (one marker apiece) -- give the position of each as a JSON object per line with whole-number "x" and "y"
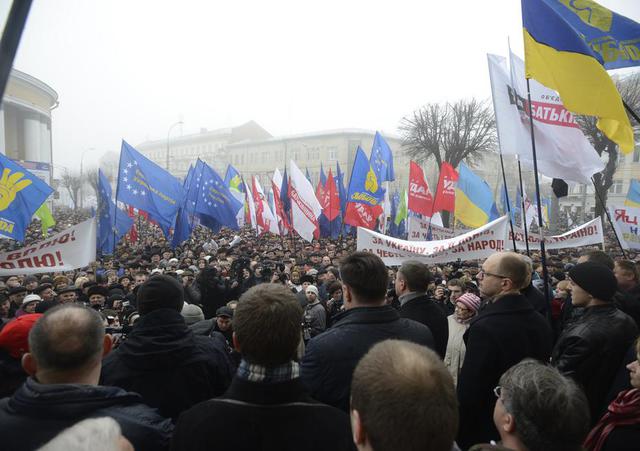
{"x": 591, "y": 349}
{"x": 97, "y": 296}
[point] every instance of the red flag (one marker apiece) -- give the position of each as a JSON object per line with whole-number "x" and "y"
{"x": 284, "y": 222}
{"x": 332, "y": 197}
{"x": 446, "y": 192}
{"x": 362, "y": 215}
{"x": 420, "y": 199}
{"x": 262, "y": 227}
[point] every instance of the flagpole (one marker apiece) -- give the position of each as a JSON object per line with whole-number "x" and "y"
{"x": 606, "y": 211}
{"x": 506, "y": 196}
{"x": 543, "y": 252}
{"x": 523, "y": 213}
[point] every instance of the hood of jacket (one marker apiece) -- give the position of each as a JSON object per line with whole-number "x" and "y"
{"x": 160, "y": 339}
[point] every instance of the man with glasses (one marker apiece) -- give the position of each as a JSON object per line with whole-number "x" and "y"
{"x": 506, "y": 331}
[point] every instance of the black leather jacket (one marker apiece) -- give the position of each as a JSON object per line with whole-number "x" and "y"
{"x": 591, "y": 349}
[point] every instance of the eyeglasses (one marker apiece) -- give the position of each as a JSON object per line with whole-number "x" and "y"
{"x": 497, "y": 391}
{"x": 482, "y": 273}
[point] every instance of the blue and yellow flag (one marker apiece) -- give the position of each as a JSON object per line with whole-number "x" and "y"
{"x": 364, "y": 186}
{"x": 615, "y": 38}
{"x": 382, "y": 159}
{"x": 633, "y": 195}
{"x": 557, "y": 56}
{"x": 474, "y": 200}
{"x": 21, "y": 194}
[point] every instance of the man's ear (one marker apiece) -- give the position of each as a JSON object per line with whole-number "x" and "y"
{"x": 359, "y": 434}
{"x": 508, "y": 423}
{"x": 346, "y": 293}
{"x": 107, "y": 344}
{"x": 29, "y": 364}
{"x": 236, "y": 343}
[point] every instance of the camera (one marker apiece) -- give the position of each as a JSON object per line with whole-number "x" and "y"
{"x": 306, "y": 327}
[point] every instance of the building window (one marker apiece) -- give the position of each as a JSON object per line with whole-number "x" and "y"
{"x": 616, "y": 187}
{"x": 333, "y": 155}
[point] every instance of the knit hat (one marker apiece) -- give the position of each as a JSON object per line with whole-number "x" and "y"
{"x": 596, "y": 279}
{"x": 28, "y": 299}
{"x": 160, "y": 291}
{"x": 470, "y": 301}
{"x": 14, "y": 337}
{"x": 225, "y": 311}
{"x": 313, "y": 289}
{"x": 192, "y": 314}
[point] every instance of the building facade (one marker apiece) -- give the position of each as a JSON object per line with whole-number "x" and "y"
{"x": 25, "y": 122}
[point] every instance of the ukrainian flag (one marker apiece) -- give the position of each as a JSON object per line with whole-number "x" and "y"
{"x": 557, "y": 57}
{"x": 633, "y": 195}
{"x": 474, "y": 199}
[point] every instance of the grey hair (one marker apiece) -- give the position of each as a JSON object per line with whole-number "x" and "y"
{"x": 551, "y": 412}
{"x": 94, "y": 434}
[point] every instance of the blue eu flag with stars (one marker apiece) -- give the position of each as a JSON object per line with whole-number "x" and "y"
{"x": 112, "y": 223}
{"x": 215, "y": 200}
{"x": 146, "y": 186}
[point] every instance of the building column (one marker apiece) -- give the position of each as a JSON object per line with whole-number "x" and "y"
{"x": 31, "y": 137}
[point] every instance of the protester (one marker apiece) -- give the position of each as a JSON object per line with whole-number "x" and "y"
{"x": 402, "y": 398}
{"x": 591, "y": 348}
{"x": 467, "y": 306}
{"x": 539, "y": 409}
{"x": 266, "y": 407}
{"x": 506, "y": 331}
{"x": 411, "y": 284}
{"x": 314, "y": 314}
{"x": 330, "y": 358}
{"x": 66, "y": 349}
{"x": 94, "y": 434}
{"x": 14, "y": 343}
{"x": 619, "y": 427}
{"x": 172, "y": 368}
{"x": 29, "y": 304}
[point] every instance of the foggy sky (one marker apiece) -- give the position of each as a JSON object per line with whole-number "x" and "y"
{"x": 130, "y": 69}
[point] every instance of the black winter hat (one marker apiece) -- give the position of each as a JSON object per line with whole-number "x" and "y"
{"x": 160, "y": 291}
{"x": 596, "y": 279}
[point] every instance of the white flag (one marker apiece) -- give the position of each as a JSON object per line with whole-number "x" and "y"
{"x": 562, "y": 149}
{"x": 267, "y": 222}
{"x": 305, "y": 208}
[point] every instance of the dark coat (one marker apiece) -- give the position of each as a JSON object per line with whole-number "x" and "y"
{"x": 36, "y": 413}
{"x": 504, "y": 333}
{"x": 629, "y": 303}
{"x": 425, "y": 311}
{"x": 591, "y": 349}
{"x": 256, "y": 416}
{"x": 623, "y": 438}
{"x": 330, "y": 358}
{"x": 537, "y": 299}
{"x": 171, "y": 368}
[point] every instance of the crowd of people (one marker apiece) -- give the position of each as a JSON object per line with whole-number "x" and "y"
{"x": 232, "y": 341}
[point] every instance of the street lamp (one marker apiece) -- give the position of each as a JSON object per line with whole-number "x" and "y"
{"x": 168, "y": 134}
{"x": 81, "y": 176}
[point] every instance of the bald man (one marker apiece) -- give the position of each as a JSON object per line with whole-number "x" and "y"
{"x": 506, "y": 331}
{"x": 66, "y": 348}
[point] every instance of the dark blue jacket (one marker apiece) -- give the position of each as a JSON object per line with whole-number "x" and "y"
{"x": 36, "y": 413}
{"x": 171, "y": 367}
{"x": 330, "y": 358}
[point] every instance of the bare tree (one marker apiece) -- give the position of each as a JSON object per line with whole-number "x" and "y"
{"x": 452, "y": 132}
{"x": 629, "y": 88}
{"x": 92, "y": 179}
{"x": 73, "y": 183}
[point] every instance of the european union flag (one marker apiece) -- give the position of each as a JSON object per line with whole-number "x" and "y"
{"x": 146, "y": 186}
{"x": 364, "y": 186}
{"x": 382, "y": 159}
{"x": 112, "y": 223}
{"x": 184, "y": 223}
{"x": 21, "y": 194}
{"x": 216, "y": 201}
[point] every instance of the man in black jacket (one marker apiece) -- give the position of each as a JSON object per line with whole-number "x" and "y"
{"x": 266, "y": 407}
{"x": 506, "y": 331}
{"x": 591, "y": 349}
{"x": 411, "y": 285}
{"x": 331, "y": 357}
{"x": 162, "y": 359}
{"x": 67, "y": 345}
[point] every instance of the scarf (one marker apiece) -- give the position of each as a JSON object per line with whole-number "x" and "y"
{"x": 623, "y": 411}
